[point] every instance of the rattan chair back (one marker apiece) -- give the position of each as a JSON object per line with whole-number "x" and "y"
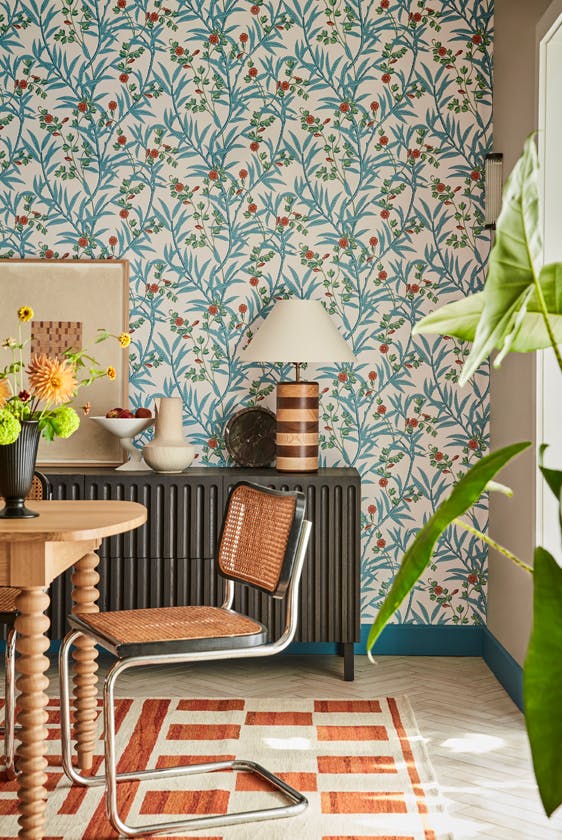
{"x": 39, "y": 487}
{"x": 259, "y": 537}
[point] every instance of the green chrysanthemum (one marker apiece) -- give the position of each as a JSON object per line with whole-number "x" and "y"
{"x": 65, "y": 421}
{"x": 9, "y": 427}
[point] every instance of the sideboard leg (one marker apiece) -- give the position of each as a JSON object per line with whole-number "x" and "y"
{"x": 348, "y": 662}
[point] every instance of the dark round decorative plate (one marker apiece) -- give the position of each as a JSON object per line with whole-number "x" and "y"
{"x": 249, "y": 436}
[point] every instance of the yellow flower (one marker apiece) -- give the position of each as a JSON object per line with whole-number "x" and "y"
{"x": 110, "y": 372}
{"x": 51, "y": 380}
{"x": 25, "y": 313}
{"x": 5, "y": 391}
{"x": 124, "y": 339}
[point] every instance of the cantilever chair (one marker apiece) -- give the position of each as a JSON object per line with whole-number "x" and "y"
{"x": 8, "y": 613}
{"x": 262, "y": 544}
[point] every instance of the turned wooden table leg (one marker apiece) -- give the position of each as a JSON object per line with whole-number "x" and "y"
{"x": 31, "y": 644}
{"x": 85, "y": 594}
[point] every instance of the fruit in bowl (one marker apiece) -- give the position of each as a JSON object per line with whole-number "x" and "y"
{"x": 127, "y": 414}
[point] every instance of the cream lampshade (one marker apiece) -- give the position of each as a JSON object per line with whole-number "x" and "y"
{"x": 296, "y": 331}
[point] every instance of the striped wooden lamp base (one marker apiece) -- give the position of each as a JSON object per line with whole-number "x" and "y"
{"x": 297, "y": 426}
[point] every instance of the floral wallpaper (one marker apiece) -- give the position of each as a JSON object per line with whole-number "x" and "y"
{"x": 238, "y": 152}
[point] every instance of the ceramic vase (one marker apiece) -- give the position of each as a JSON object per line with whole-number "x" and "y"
{"x": 168, "y": 451}
{"x": 17, "y": 465}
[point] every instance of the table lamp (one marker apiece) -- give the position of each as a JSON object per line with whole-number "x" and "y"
{"x": 297, "y": 330}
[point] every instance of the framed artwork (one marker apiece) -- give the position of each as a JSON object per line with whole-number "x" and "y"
{"x": 71, "y": 300}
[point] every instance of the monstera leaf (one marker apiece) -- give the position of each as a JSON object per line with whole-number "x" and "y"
{"x": 418, "y": 555}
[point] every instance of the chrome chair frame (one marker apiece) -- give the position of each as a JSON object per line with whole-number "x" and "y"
{"x": 9, "y": 729}
{"x": 296, "y": 802}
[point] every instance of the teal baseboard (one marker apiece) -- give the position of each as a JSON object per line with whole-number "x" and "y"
{"x": 425, "y": 640}
{"x": 503, "y": 666}
{"x": 409, "y": 640}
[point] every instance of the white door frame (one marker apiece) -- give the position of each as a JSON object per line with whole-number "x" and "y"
{"x": 548, "y": 380}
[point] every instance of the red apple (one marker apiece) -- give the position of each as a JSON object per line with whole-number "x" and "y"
{"x": 126, "y": 414}
{"x": 114, "y": 412}
{"x": 143, "y": 412}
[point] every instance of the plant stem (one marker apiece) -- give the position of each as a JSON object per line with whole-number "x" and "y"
{"x": 21, "y": 357}
{"x": 505, "y": 551}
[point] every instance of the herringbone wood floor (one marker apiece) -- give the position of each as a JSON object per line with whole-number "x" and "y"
{"x": 474, "y": 733}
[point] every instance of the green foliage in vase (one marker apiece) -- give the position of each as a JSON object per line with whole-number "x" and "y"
{"x": 519, "y": 310}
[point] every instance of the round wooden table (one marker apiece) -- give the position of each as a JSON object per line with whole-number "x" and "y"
{"x": 32, "y": 553}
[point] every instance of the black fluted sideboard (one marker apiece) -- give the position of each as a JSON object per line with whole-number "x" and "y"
{"x": 168, "y": 561}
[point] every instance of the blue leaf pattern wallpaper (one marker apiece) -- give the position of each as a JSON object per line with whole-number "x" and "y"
{"x": 238, "y": 152}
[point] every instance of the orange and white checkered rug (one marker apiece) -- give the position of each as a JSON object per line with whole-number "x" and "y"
{"x": 362, "y": 765}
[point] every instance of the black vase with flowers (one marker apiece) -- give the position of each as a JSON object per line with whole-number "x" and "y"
{"x": 36, "y": 393}
{"x": 17, "y": 465}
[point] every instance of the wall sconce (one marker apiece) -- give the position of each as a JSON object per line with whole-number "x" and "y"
{"x": 297, "y": 330}
{"x": 493, "y": 184}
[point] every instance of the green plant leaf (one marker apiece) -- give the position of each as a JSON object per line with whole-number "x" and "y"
{"x": 532, "y": 333}
{"x": 461, "y": 317}
{"x": 46, "y": 427}
{"x": 550, "y": 281}
{"x": 552, "y": 477}
{"x": 417, "y": 556}
{"x": 514, "y": 263}
{"x": 542, "y": 680}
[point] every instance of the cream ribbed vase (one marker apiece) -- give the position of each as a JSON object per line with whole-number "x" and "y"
{"x": 168, "y": 451}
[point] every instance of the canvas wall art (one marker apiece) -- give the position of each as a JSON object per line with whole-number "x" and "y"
{"x": 71, "y": 301}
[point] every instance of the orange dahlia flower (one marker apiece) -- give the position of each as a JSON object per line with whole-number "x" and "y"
{"x": 51, "y": 380}
{"x": 5, "y": 392}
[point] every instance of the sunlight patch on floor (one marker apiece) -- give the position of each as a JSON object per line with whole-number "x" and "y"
{"x": 474, "y": 742}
